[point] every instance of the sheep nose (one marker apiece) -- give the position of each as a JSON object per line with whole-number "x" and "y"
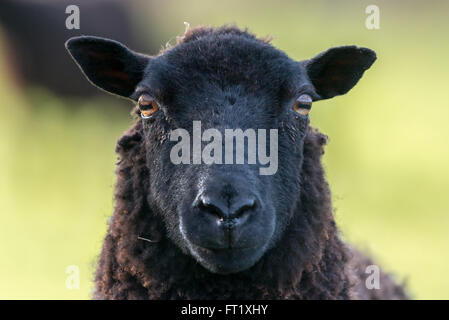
{"x": 228, "y": 211}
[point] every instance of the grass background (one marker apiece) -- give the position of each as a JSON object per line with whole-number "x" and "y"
{"x": 387, "y": 160}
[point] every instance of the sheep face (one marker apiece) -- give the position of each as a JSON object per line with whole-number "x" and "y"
{"x": 224, "y": 116}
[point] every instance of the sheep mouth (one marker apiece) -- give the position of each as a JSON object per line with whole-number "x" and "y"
{"x": 227, "y": 260}
{"x": 225, "y": 249}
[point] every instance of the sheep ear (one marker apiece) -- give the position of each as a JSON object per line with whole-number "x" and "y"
{"x": 336, "y": 70}
{"x": 108, "y": 64}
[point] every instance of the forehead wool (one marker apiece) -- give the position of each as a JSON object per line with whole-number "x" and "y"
{"x": 228, "y": 56}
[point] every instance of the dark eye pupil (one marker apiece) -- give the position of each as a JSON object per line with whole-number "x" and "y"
{"x": 145, "y": 106}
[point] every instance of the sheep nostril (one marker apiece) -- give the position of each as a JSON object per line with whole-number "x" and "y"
{"x": 205, "y": 204}
{"x": 235, "y": 210}
{"x": 244, "y": 207}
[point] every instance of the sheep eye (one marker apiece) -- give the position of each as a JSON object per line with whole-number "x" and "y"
{"x": 303, "y": 104}
{"x": 147, "y": 106}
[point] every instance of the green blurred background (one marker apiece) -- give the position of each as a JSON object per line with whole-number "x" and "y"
{"x": 387, "y": 160}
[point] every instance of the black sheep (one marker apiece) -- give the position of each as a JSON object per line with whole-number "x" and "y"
{"x": 219, "y": 230}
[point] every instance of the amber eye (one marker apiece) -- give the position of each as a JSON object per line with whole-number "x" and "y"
{"x": 303, "y": 104}
{"x": 147, "y": 106}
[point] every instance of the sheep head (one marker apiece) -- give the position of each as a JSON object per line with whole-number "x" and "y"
{"x": 224, "y": 116}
